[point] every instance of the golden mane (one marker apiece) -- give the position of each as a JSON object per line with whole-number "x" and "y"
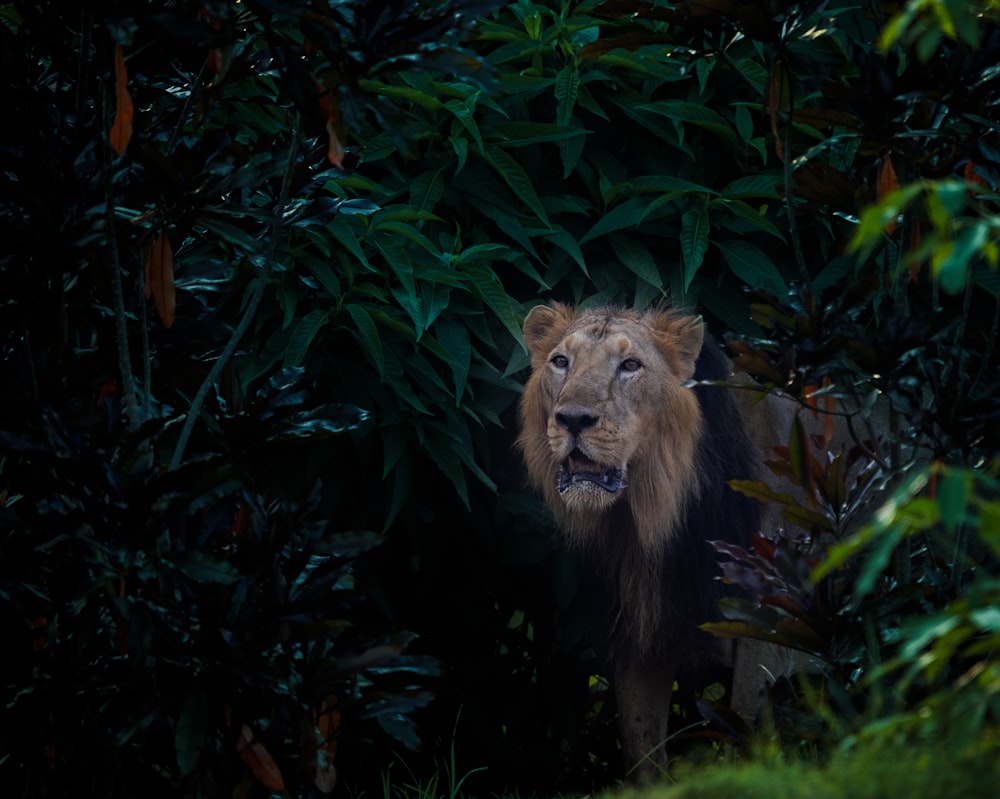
{"x": 655, "y": 430}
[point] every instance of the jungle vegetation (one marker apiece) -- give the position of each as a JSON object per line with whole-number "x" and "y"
{"x": 263, "y": 266}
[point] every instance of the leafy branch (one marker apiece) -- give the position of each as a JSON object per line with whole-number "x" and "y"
{"x": 227, "y": 353}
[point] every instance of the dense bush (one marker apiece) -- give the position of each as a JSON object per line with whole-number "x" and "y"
{"x": 286, "y": 309}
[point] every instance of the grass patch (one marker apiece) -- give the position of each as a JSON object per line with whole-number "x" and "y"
{"x": 873, "y": 772}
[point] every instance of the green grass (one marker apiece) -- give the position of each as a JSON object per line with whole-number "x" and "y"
{"x": 875, "y": 772}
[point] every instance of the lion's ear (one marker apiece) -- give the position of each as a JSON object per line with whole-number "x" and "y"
{"x": 544, "y": 325}
{"x": 685, "y": 336}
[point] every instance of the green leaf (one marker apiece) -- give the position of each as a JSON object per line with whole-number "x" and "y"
{"x": 397, "y": 232}
{"x": 567, "y": 88}
{"x": 235, "y": 236}
{"x": 518, "y": 180}
{"x": 748, "y": 214}
{"x": 570, "y": 150}
{"x": 321, "y": 270}
{"x": 696, "y": 114}
{"x": 694, "y": 240}
{"x": 953, "y": 494}
{"x": 464, "y": 112}
{"x": 366, "y": 332}
{"x": 441, "y": 448}
{"x": 426, "y": 190}
{"x": 191, "y": 729}
{"x": 487, "y": 286}
{"x": 637, "y": 259}
{"x": 521, "y": 134}
{"x": 203, "y": 568}
{"x": 424, "y": 375}
{"x": 752, "y": 265}
{"x": 753, "y": 186}
{"x": 656, "y": 184}
{"x": 342, "y": 231}
{"x": 302, "y": 336}
{"x": 625, "y": 215}
{"x": 454, "y": 337}
{"x": 568, "y": 243}
{"x": 415, "y": 96}
{"x": 435, "y": 299}
{"x": 461, "y": 148}
{"x": 757, "y": 489}
{"x": 952, "y": 261}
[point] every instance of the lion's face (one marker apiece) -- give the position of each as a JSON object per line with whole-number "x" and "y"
{"x": 606, "y": 415}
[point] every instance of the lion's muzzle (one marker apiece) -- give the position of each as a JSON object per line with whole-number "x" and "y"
{"x": 578, "y": 468}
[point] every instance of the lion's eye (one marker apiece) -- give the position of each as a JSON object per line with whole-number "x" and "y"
{"x": 560, "y": 361}
{"x": 631, "y": 365}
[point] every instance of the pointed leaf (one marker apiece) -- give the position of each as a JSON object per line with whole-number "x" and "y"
{"x": 454, "y": 337}
{"x": 121, "y": 128}
{"x": 191, "y": 730}
{"x": 515, "y": 176}
{"x": 302, "y": 336}
{"x": 752, "y": 265}
{"x": 625, "y": 215}
{"x": 159, "y": 277}
{"x": 259, "y": 760}
{"x": 366, "y": 332}
{"x": 696, "y": 114}
{"x": 567, "y": 88}
{"x": 694, "y": 240}
{"x": 637, "y": 259}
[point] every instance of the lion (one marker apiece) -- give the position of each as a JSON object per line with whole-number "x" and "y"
{"x": 633, "y": 464}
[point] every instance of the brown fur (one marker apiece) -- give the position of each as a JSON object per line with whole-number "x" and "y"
{"x": 634, "y": 473}
{"x": 658, "y": 449}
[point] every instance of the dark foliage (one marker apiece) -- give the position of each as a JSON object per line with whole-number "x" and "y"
{"x": 337, "y": 210}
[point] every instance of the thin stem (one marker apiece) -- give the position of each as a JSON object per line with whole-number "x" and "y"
{"x": 234, "y": 340}
{"x": 133, "y": 411}
{"x": 793, "y": 225}
{"x": 186, "y": 108}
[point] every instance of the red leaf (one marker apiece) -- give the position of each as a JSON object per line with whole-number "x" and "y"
{"x": 778, "y": 95}
{"x": 335, "y": 153}
{"x": 326, "y": 723}
{"x": 885, "y": 184}
{"x": 970, "y": 174}
{"x": 121, "y": 128}
{"x": 160, "y": 278}
{"x": 259, "y": 760}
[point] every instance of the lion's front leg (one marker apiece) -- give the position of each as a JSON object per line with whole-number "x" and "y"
{"x": 643, "y": 692}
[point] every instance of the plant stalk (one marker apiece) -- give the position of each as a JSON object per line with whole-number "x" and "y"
{"x": 133, "y": 410}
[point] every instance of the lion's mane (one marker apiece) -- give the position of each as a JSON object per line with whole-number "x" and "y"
{"x": 650, "y": 551}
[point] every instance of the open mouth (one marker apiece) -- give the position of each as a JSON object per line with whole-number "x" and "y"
{"x": 578, "y": 468}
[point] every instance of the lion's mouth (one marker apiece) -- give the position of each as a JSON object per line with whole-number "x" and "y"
{"x": 578, "y": 468}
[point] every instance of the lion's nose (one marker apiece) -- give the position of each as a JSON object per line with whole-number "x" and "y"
{"x": 576, "y": 420}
